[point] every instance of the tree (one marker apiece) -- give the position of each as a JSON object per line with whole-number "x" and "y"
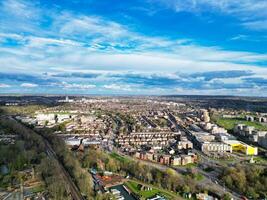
{"x": 227, "y": 196}
{"x": 112, "y": 165}
{"x": 186, "y": 189}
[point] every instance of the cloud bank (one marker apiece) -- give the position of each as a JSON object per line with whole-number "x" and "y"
{"x": 54, "y": 50}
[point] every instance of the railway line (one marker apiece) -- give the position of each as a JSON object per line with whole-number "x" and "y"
{"x": 70, "y": 185}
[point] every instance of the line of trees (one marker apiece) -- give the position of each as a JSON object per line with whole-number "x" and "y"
{"x": 55, "y": 183}
{"x": 80, "y": 175}
{"x": 28, "y": 152}
{"x": 167, "y": 179}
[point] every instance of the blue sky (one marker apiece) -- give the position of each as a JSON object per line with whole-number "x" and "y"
{"x": 134, "y": 47}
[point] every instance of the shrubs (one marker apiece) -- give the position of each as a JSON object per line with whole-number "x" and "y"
{"x": 248, "y": 180}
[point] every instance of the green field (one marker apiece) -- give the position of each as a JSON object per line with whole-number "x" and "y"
{"x": 118, "y": 157}
{"x": 229, "y": 123}
{"x": 135, "y": 187}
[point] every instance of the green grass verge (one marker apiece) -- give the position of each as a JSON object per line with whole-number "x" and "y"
{"x": 260, "y": 160}
{"x": 119, "y": 157}
{"x": 190, "y": 165}
{"x": 199, "y": 177}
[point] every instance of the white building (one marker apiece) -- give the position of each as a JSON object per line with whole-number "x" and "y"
{"x": 43, "y": 119}
{"x": 216, "y": 147}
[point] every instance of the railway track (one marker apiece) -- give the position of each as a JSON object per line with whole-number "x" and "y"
{"x": 70, "y": 185}
{"x": 74, "y": 191}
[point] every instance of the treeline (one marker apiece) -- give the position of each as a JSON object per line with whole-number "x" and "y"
{"x": 29, "y": 152}
{"x": 21, "y": 110}
{"x": 34, "y": 141}
{"x": 167, "y": 179}
{"x": 249, "y": 180}
{"x": 16, "y": 158}
{"x": 81, "y": 176}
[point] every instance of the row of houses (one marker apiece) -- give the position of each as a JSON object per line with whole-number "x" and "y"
{"x": 219, "y": 147}
{"x": 146, "y": 138}
{"x": 207, "y": 142}
{"x": 212, "y": 128}
{"x": 184, "y": 143}
{"x": 165, "y": 159}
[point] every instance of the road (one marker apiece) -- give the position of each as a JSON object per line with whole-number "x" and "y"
{"x": 211, "y": 179}
{"x": 70, "y": 186}
{"x": 208, "y": 181}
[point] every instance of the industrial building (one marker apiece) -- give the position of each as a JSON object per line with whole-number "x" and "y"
{"x": 242, "y": 147}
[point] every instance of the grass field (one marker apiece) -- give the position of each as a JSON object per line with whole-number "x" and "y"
{"x": 135, "y": 187}
{"x": 229, "y": 123}
{"x": 26, "y": 109}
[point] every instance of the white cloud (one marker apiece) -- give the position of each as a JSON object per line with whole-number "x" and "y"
{"x": 11, "y": 35}
{"x": 234, "y": 92}
{"x": 256, "y": 25}
{"x": 41, "y": 42}
{"x": 100, "y": 33}
{"x": 157, "y": 62}
{"x": 91, "y": 42}
{"x": 28, "y": 85}
{"x": 20, "y": 15}
{"x": 123, "y": 87}
{"x": 76, "y": 58}
{"x": 77, "y": 86}
{"x": 252, "y": 12}
{"x": 2, "y": 85}
{"x": 241, "y": 8}
{"x": 76, "y": 42}
{"x": 139, "y": 52}
{"x": 240, "y": 37}
{"x": 88, "y": 25}
{"x": 20, "y": 8}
